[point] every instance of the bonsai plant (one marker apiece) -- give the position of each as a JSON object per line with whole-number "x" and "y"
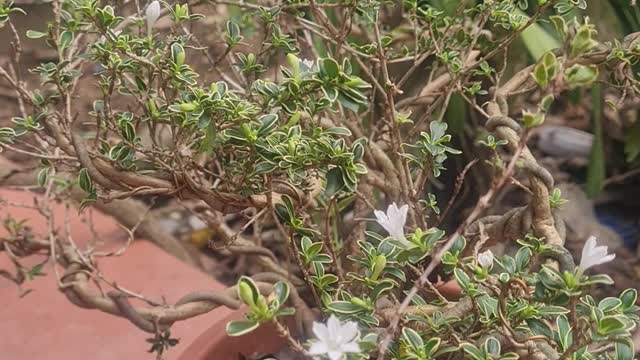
{"x": 331, "y": 122}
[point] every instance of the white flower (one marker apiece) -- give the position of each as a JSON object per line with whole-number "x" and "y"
{"x": 152, "y": 14}
{"x": 593, "y": 255}
{"x": 335, "y": 339}
{"x": 393, "y": 221}
{"x": 485, "y": 259}
{"x": 308, "y": 63}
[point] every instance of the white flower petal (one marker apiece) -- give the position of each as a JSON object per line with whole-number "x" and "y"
{"x": 383, "y": 221}
{"x": 393, "y": 221}
{"x": 351, "y": 347}
{"x": 152, "y": 14}
{"x": 585, "y": 263}
{"x": 380, "y": 215}
{"x": 605, "y": 259}
{"x": 318, "y": 348}
{"x": 392, "y": 210}
{"x": 321, "y": 331}
{"x": 398, "y": 213}
{"x": 381, "y": 218}
{"x": 589, "y": 245}
{"x": 349, "y": 331}
{"x": 334, "y": 326}
{"x": 308, "y": 63}
{"x": 593, "y": 255}
{"x": 485, "y": 259}
{"x": 335, "y": 338}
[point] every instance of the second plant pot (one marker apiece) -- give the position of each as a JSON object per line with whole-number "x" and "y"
{"x": 215, "y": 344}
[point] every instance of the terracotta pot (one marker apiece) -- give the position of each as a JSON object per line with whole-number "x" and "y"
{"x": 215, "y": 344}
{"x": 49, "y": 321}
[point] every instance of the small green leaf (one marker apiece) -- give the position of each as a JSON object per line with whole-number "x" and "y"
{"x": 609, "y": 325}
{"x": 492, "y": 346}
{"x": 509, "y": 356}
{"x": 540, "y": 75}
{"x": 581, "y": 75}
{"x": 507, "y": 263}
{"x": 379, "y": 289}
{"x": 473, "y": 351}
{"x": 553, "y": 310}
{"x": 283, "y": 214}
{"x": 329, "y": 68}
{"x": 338, "y": 131}
{"x": 463, "y": 279}
{"x": 539, "y": 328}
{"x": 432, "y": 346}
{"x": 559, "y": 24}
{"x": 335, "y": 181}
{"x": 602, "y": 279}
{"x": 488, "y": 306}
{"x": 609, "y": 304}
{"x": 522, "y": 258}
{"x": 43, "y": 176}
{"x": 624, "y": 350}
{"x": 629, "y": 298}
{"x": 545, "y": 103}
{"x": 437, "y": 130}
{"x": 344, "y": 307}
{"x": 66, "y": 37}
{"x": 31, "y": 34}
{"x": 286, "y": 312}
{"x": 242, "y": 327}
{"x": 84, "y": 181}
{"x": 281, "y": 290}
{"x": 532, "y": 119}
{"x": 265, "y": 167}
{"x": 565, "y": 335}
{"x": 36, "y": 270}
{"x": 268, "y": 123}
{"x": 177, "y": 54}
{"x": 248, "y": 291}
{"x": 412, "y": 338}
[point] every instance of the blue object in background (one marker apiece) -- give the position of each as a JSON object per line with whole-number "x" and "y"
{"x": 623, "y": 220}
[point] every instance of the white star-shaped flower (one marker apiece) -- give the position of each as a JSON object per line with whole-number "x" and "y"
{"x": 308, "y": 63}
{"x": 393, "y": 221}
{"x": 152, "y": 14}
{"x": 335, "y": 339}
{"x": 485, "y": 259}
{"x": 593, "y": 255}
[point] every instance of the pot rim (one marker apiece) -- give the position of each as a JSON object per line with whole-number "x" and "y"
{"x": 215, "y": 344}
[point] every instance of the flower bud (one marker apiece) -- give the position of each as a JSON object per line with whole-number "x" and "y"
{"x": 359, "y": 302}
{"x": 378, "y": 266}
{"x": 153, "y": 109}
{"x": 152, "y": 14}
{"x": 188, "y": 106}
{"x": 485, "y": 259}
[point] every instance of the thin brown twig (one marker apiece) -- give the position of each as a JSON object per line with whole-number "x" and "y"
{"x": 456, "y": 190}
